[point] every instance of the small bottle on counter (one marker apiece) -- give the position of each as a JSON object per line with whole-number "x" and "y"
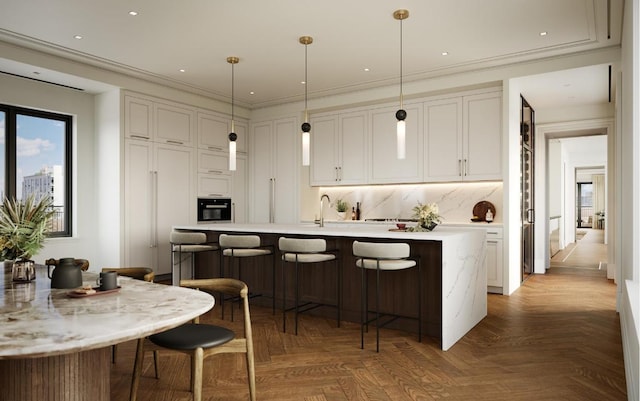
{"x": 489, "y": 216}
{"x": 353, "y": 213}
{"x": 357, "y": 210}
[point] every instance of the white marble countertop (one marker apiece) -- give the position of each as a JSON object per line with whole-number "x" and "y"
{"x": 40, "y": 321}
{"x": 356, "y": 229}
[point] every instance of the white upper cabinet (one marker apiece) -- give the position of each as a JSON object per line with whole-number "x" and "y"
{"x": 385, "y": 167}
{"x": 339, "y": 148}
{"x": 213, "y": 132}
{"x": 174, "y": 124}
{"x": 138, "y": 122}
{"x": 482, "y": 129}
{"x": 150, "y": 120}
{"x": 463, "y": 138}
{"x": 443, "y": 140}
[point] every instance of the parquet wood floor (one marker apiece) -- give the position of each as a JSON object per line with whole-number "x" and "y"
{"x": 556, "y": 338}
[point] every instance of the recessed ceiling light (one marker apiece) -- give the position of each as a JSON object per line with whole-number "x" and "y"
{"x": 445, "y": 53}
{"x": 366, "y": 70}
{"x": 77, "y": 37}
{"x": 543, "y": 33}
{"x": 36, "y": 73}
{"x": 182, "y": 70}
{"x": 252, "y": 93}
{"x": 303, "y": 82}
{"x": 133, "y": 13}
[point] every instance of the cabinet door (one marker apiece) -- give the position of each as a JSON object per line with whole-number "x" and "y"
{"x": 443, "y": 140}
{"x": 483, "y": 136}
{"x": 174, "y": 124}
{"x": 139, "y": 216}
{"x": 261, "y": 172}
{"x": 213, "y": 162}
{"x": 242, "y": 131}
{"x": 212, "y": 132}
{"x": 214, "y": 185}
{"x": 494, "y": 264}
{"x": 352, "y": 150}
{"x": 285, "y": 171}
{"x": 175, "y": 198}
{"x": 385, "y": 166}
{"x": 138, "y": 118}
{"x": 324, "y": 135}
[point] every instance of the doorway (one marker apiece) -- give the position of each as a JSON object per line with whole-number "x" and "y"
{"x": 584, "y": 205}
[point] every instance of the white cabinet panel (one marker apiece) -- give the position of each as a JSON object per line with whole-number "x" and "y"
{"x": 385, "y": 167}
{"x": 274, "y": 172}
{"x": 212, "y": 185}
{"x": 213, "y": 162}
{"x": 158, "y": 194}
{"x": 174, "y": 124}
{"x": 339, "y": 147}
{"x": 483, "y": 136}
{"x": 239, "y": 190}
{"x": 212, "y": 132}
{"x": 443, "y": 140}
{"x": 138, "y": 120}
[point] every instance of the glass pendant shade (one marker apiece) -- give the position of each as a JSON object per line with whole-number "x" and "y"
{"x": 401, "y": 139}
{"x": 306, "y": 142}
{"x": 232, "y": 155}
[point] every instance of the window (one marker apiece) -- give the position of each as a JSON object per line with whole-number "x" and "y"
{"x": 35, "y": 158}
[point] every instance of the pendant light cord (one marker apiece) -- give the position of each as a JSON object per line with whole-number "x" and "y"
{"x": 401, "y": 100}
{"x": 232, "y": 96}
{"x": 306, "y": 84}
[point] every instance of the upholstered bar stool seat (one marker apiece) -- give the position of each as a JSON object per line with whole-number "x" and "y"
{"x": 374, "y": 256}
{"x": 187, "y": 242}
{"x": 244, "y": 246}
{"x": 305, "y": 251}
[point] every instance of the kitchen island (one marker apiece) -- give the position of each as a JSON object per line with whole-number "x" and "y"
{"x": 453, "y": 270}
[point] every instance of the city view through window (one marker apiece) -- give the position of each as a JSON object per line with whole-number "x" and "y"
{"x": 38, "y": 149}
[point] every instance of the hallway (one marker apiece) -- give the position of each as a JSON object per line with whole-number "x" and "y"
{"x": 587, "y": 255}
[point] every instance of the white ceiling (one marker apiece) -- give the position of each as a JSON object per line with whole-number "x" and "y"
{"x": 349, "y": 36}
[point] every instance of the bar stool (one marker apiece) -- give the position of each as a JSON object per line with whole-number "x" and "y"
{"x": 244, "y": 246}
{"x": 383, "y": 257}
{"x": 306, "y": 251}
{"x": 187, "y": 242}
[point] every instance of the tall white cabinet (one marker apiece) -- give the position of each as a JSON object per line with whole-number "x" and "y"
{"x": 274, "y": 171}
{"x": 158, "y": 179}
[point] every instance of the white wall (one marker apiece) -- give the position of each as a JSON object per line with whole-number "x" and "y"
{"x": 32, "y": 94}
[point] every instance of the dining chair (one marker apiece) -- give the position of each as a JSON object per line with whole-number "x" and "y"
{"x": 200, "y": 340}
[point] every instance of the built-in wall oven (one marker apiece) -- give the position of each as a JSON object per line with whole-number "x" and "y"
{"x": 212, "y": 210}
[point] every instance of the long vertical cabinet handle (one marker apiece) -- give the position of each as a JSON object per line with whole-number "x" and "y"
{"x": 460, "y": 167}
{"x": 272, "y": 211}
{"x": 151, "y": 207}
{"x": 465, "y": 167}
{"x": 153, "y": 243}
{"x": 233, "y": 212}
{"x": 336, "y": 173}
{"x": 340, "y": 173}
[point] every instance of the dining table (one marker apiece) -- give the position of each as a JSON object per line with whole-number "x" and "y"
{"x": 55, "y": 344}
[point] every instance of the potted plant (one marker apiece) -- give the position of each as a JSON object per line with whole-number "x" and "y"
{"x": 341, "y": 207}
{"x": 23, "y": 228}
{"x": 427, "y": 215}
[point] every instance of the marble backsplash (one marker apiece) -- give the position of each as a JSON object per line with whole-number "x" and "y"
{"x": 455, "y": 200}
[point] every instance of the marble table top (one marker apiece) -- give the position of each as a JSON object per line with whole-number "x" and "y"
{"x": 36, "y": 320}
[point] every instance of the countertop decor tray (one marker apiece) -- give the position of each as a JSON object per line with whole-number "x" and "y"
{"x": 74, "y": 294}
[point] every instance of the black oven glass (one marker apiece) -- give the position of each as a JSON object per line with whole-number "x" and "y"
{"x": 214, "y": 209}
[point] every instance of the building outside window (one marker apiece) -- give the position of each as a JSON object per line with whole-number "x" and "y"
{"x": 35, "y": 159}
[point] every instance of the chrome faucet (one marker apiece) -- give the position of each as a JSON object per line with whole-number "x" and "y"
{"x": 321, "y": 213}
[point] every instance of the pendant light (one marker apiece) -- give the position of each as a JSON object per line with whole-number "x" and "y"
{"x": 232, "y": 135}
{"x": 401, "y": 114}
{"x": 306, "y": 127}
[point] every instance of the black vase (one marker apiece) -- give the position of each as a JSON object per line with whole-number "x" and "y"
{"x": 429, "y": 227}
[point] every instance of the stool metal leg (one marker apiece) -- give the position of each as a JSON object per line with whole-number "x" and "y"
{"x": 363, "y": 305}
{"x": 297, "y": 292}
{"x": 284, "y": 297}
{"x": 378, "y": 306}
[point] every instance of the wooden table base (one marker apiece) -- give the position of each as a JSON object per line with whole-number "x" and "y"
{"x": 72, "y": 377}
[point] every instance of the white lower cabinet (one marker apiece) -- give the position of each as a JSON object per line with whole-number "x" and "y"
{"x": 495, "y": 266}
{"x": 158, "y": 194}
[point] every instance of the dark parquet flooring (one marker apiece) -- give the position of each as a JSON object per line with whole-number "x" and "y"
{"x": 556, "y": 338}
